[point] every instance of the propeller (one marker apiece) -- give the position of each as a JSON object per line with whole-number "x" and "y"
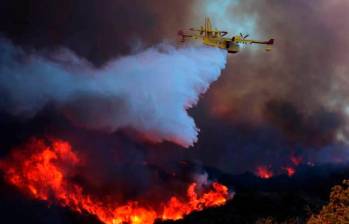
{"x": 244, "y": 36}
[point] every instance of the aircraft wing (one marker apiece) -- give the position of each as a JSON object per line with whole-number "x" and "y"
{"x": 269, "y": 42}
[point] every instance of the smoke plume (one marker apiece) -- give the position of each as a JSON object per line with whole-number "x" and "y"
{"x": 149, "y": 92}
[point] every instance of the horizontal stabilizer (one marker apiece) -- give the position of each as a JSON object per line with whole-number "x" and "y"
{"x": 270, "y": 42}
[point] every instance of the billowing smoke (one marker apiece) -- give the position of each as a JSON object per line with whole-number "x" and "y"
{"x": 293, "y": 100}
{"x": 149, "y": 92}
{"x": 305, "y": 71}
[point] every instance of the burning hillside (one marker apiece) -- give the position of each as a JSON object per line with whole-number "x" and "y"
{"x": 46, "y": 171}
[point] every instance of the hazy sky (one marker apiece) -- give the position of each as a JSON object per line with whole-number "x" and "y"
{"x": 264, "y": 107}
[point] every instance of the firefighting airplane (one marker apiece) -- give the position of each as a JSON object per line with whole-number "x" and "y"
{"x": 216, "y": 38}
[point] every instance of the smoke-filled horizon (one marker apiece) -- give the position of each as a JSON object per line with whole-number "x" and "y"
{"x": 149, "y": 92}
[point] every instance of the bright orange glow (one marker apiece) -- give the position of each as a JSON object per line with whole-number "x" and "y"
{"x": 264, "y": 172}
{"x": 175, "y": 209}
{"x": 46, "y": 174}
{"x": 290, "y": 171}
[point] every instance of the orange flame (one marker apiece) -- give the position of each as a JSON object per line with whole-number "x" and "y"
{"x": 45, "y": 175}
{"x": 264, "y": 172}
{"x": 175, "y": 208}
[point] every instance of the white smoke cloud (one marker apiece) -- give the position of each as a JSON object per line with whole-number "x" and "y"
{"x": 149, "y": 91}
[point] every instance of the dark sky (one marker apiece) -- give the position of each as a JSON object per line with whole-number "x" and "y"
{"x": 96, "y": 30}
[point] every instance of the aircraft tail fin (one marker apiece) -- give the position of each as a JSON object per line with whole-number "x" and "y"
{"x": 208, "y": 25}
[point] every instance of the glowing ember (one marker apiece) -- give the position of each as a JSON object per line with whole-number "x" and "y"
{"x": 46, "y": 174}
{"x": 290, "y": 171}
{"x": 264, "y": 172}
{"x": 296, "y": 160}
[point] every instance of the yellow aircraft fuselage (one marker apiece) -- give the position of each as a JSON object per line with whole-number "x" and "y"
{"x": 221, "y": 42}
{"x": 216, "y": 38}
